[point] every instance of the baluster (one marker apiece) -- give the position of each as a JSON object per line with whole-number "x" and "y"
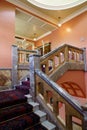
{"x": 59, "y": 59}
{"x": 66, "y": 54}
{"x": 68, "y": 121}
{"x": 25, "y": 57}
{"x": 55, "y": 106}
{"x": 46, "y": 68}
{"x": 45, "y": 96}
{"x": 19, "y": 57}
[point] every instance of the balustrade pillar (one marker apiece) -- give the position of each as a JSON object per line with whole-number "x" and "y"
{"x": 45, "y": 96}
{"x": 66, "y": 54}
{"x": 84, "y": 126}
{"x": 84, "y": 56}
{"x": 68, "y": 121}
{"x": 19, "y": 58}
{"x": 34, "y": 63}
{"x": 46, "y": 68}
{"x": 14, "y": 65}
{"x": 55, "y": 106}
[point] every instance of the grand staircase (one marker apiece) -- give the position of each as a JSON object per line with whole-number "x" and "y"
{"x": 19, "y": 112}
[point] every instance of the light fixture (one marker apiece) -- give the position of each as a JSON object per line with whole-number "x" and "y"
{"x": 68, "y": 29}
{"x": 59, "y": 23}
{"x": 35, "y": 37}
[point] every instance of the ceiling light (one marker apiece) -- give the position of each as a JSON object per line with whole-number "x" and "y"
{"x": 35, "y": 37}
{"x": 59, "y": 23}
{"x": 68, "y": 29}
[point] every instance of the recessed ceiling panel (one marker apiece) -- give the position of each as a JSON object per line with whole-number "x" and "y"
{"x": 23, "y": 16}
{"x": 48, "y": 27}
{"x": 36, "y": 21}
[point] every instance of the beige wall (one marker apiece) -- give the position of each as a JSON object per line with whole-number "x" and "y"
{"x": 7, "y": 33}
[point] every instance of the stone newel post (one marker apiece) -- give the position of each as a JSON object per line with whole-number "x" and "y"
{"x": 84, "y": 55}
{"x": 34, "y": 63}
{"x": 14, "y": 65}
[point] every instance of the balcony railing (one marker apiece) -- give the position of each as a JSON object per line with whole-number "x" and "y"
{"x": 23, "y": 56}
{"x": 66, "y": 53}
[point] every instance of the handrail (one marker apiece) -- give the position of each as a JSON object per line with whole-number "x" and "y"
{"x": 57, "y": 49}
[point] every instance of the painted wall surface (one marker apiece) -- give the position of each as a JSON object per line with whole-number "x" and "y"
{"x": 77, "y": 77}
{"x": 73, "y": 32}
{"x": 7, "y": 33}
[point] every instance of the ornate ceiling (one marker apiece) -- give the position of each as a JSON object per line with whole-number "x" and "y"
{"x": 35, "y": 22}
{"x": 56, "y": 4}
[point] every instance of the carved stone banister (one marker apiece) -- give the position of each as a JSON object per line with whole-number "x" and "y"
{"x": 59, "y": 90}
{"x": 60, "y": 47}
{"x": 52, "y": 94}
{"x": 55, "y": 59}
{"x": 72, "y": 107}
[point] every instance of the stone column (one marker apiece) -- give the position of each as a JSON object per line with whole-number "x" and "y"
{"x": 14, "y": 65}
{"x": 34, "y": 63}
{"x": 84, "y": 56}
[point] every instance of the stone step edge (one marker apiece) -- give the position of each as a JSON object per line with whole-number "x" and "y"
{"x": 48, "y": 125}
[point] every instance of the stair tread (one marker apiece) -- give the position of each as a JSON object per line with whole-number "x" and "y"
{"x": 28, "y": 96}
{"x": 11, "y": 97}
{"x": 34, "y": 103}
{"x": 21, "y": 122}
{"x": 48, "y": 125}
{"x": 15, "y": 111}
{"x": 38, "y": 127}
{"x": 40, "y": 113}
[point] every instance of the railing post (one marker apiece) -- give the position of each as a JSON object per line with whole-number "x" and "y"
{"x": 68, "y": 121}
{"x": 14, "y": 65}
{"x": 66, "y": 53}
{"x": 34, "y": 63}
{"x": 84, "y": 56}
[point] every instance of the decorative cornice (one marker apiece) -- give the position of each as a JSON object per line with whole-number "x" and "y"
{"x": 56, "y": 4}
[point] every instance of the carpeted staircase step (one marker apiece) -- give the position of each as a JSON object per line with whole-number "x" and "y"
{"x": 41, "y": 114}
{"x": 11, "y": 97}
{"x": 21, "y": 123}
{"x": 35, "y": 105}
{"x": 22, "y": 88}
{"x": 14, "y": 111}
{"x": 38, "y": 127}
{"x": 27, "y": 83}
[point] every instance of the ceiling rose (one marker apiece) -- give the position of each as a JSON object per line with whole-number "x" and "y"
{"x": 56, "y": 4}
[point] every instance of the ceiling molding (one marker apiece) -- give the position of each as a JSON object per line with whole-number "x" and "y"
{"x": 34, "y": 12}
{"x": 21, "y": 37}
{"x": 56, "y": 4}
{"x": 73, "y": 15}
{"x": 43, "y": 17}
